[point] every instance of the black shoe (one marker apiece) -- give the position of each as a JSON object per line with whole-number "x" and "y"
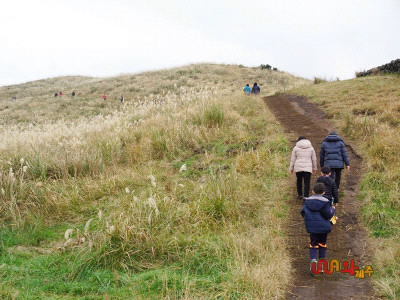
{"x": 299, "y": 197}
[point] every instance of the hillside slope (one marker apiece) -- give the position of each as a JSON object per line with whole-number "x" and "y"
{"x": 36, "y": 102}
{"x": 367, "y": 110}
{"x": 179, "y": 193}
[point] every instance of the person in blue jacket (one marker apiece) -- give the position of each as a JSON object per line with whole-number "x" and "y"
{"x": 247, "y": 89}
{"x": 317, "y": 211}
{"x": 333, "y": 154}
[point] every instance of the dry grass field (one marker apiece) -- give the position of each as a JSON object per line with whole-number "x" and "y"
{"x": 180, "y": 192}
{"x": 367, "y": 111}
{"x": 36, "y": 103}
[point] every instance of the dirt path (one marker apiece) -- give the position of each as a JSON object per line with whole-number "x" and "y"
{"x": 347, "y": 240}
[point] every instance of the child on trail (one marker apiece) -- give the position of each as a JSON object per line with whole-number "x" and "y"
{"x": 317, "y": 211}
{"x": 303, "y": 162}
{"x": 73, "y": 94}
{"x": 247, "y": 89}
{"x": 334, "y": 155}
{"x": 331, "y": 192}
{"x": 104, "y": 97}
{"x": 56, "y": 94}
{"x": 122, "y": 99}
{"x": 60, "y": 94}
{"x": 256, "y": 89}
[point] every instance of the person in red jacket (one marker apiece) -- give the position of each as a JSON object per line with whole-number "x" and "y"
{"x": 104, "y": 97}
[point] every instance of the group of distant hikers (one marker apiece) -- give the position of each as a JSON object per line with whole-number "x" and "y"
{"x": 122, "y": 99}
{"x": 318, "y": 210}
{"x": 60, "y": 94}
{"x": 255, "y": 90}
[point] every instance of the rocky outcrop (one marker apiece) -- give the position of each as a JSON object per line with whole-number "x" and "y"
{"x": 392, "y": 67}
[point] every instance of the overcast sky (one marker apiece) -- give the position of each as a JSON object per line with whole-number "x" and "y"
{"x": 47, "y": 38}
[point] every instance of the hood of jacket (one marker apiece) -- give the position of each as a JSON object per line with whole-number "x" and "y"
{"x": 315, "y": 202}
{"x": 333, "y": 138}
{"x": 303, "y": 144}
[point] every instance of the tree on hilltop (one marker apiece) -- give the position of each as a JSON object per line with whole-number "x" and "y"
{"x": 265, "y": 67}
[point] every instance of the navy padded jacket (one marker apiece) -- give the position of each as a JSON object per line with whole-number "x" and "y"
{"x": 317, "y": 212}
{"x": 330, "y": 188}
{"x": 333, "y": 153}
{"x": 256, "y": 89}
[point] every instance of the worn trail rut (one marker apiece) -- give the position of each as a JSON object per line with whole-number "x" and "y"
{"x": 347, "y": 240}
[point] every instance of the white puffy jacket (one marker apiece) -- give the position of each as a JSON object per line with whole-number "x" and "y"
{"x": 303, "y": 158}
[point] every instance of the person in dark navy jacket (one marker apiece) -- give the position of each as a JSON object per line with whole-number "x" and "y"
{"x": 331, "y": 192}
{"x": 256, "y": 89}
{"x": 333, "y": 154}
{"x": 317, "y": 211}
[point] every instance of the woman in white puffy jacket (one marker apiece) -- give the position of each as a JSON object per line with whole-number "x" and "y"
{"x": 303, "y": 163}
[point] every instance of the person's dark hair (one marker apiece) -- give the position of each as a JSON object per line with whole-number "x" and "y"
{"x": 247, "y": 84}
{"x": 333, "y": 133}
{"x": 255, "y": 83}
{"x": 319, "y": 188}
{"x": 301, "y": 138}
{"x": 325, "y": 170}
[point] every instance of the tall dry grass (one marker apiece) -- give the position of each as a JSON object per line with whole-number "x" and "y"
{"x": 36, "y": 103}
{"x": 219, "y": 219}
{"x": 186, "y": 181}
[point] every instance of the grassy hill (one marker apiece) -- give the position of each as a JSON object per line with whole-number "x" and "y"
{"x": 36, "y": 102}
{"x": 178, "y": 193}
{"x": 367, "y": 110}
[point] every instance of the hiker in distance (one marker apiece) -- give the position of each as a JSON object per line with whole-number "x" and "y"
{"x": 256, "y": 89}
{"x": 303, "y": 162}
{"x": 247, "y": 89}
{"x": 334, "y": 155}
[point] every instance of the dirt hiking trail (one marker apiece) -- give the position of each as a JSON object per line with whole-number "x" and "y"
{"x": 347, "y": 240}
